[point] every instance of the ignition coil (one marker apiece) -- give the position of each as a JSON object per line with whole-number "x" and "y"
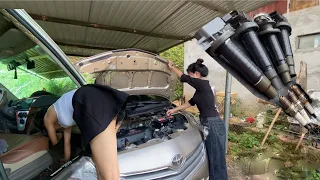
{"x": 245, "y": 31}
{"x": 283, "y": 37}
{"x": 214, "y": 38}
{"x": 268, "y": 35}
{"x": 291, "y": 109}
{"x": 303, "y": 100}
{"x": 294, "y": 99}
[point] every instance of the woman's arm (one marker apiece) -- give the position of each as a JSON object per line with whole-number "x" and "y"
{"x": 174, "y": 69}
{"x": 194, "y": 82}
{"x": 50, "y": 119}
{"x": 67, "y": 143}
{"x": 184, "y": 106}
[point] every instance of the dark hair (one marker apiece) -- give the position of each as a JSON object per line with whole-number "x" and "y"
{"x": 199, "y": 67}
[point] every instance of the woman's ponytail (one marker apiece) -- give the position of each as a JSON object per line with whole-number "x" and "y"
{"x": 199, "y": 67}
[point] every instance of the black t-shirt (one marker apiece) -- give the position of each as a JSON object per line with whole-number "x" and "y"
{"x": 203, "y": 97}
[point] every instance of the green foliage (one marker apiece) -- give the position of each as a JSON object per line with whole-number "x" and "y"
{"x": 314, "y": 175}
{"x": 28, "y": 83}
{"x": 244, "y": 140}
{"x": 89, "y": 78}
{"x": 272, "y": 138}
{"x": 232, "y": 137}
{"x": 176, "y": 55}
{"x": 248, "y": 141}
{"x": 59, "y": 86}
{"x": 237, "y": 109}
{"x": 281, "y": 123}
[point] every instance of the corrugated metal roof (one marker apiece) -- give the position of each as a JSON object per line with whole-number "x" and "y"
{"x": 150, "y": 25}
{"x": 139, "y": 15}
{"x": 150, "y": 43}
{"x": 180, "y": 24}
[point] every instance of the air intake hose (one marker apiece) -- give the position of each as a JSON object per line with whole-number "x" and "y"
{"x": 268, "y": 35}
{"x": 214, "y": 37}
{"x": 246, "y": 33}
{"x": 283, "y": 37}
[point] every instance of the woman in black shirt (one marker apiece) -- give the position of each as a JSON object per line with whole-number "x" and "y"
{"x": 214, "y": 128}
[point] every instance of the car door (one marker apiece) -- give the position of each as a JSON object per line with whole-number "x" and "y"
{"x": 3, "y": 174}
{"x": 28, "y": 26}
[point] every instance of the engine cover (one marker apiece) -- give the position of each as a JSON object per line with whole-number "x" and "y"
{"x": 127, "y": 137}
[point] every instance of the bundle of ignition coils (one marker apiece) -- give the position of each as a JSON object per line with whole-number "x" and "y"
{"x": 257, "y": 52}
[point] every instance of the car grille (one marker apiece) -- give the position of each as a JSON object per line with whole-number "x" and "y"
{"x": 193, "y": 162}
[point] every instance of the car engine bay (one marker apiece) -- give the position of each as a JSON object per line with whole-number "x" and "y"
{"x": 151, "y": 124}
{"x": 143, "y": 129}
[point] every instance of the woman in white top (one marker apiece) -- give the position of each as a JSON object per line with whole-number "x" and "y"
{"x": 98, "y": 111}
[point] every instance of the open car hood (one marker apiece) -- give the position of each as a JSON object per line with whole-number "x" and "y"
{"x": 136, "y": 72}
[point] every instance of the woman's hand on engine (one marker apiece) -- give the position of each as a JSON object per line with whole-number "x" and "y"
{"x": 170, "y": 111}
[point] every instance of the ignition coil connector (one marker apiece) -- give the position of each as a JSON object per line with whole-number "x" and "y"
{"x": 268, "y": 36}
{"x": 214, "y": 38}
{"x": 246, "y": 32}
{"x": 283, "y": 37}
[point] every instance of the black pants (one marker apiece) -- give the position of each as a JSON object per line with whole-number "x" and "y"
{"x": 215, "y": 144}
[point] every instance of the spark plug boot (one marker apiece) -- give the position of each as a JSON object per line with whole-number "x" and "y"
{"x": 285, "y": 31}
{"x": 246, "y": 32}
{"x": 269, "y": 36}
{"x": 214, "y": 38}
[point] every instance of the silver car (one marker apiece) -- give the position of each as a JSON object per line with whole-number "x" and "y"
{"x": 150, "y": 144}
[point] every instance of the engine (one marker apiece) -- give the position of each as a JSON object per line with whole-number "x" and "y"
{"x": 139, "y": 130}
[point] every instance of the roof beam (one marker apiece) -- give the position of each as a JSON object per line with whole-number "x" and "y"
{"x": 85, "y": 47}
{"x": 82, "y": 50}
{"x": 102, "y": 26}
{"x": 210, "y": 6}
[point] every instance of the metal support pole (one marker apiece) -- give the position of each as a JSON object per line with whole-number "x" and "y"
{"x": 227, "y": 105}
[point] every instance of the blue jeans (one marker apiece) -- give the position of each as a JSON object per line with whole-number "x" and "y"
{"x": 215, "y": 145}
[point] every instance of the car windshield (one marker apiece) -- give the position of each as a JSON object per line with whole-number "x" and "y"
{"x": 33, "y": 71}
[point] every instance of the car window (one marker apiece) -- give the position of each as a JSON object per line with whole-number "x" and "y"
{"x": 33, "y": 70}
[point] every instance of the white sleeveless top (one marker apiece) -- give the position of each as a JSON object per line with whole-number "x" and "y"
{"x": 64, "y": 109}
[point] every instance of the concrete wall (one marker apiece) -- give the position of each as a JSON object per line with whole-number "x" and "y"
{"x": 303, "y": 22}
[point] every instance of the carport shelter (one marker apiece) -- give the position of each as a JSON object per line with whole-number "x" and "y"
{"x": 85, "y": 28}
